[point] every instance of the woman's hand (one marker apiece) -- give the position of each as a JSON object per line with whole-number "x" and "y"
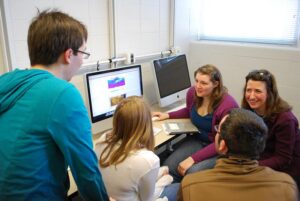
{"x": 161, "y": 116}
{"x": 185, "y": 165}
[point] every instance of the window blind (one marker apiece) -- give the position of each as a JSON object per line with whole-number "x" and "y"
{"x": 256, "y": 21}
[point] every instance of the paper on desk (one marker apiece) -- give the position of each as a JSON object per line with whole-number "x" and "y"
{"x": 156, "y": 130}
{"x": 173, "y": 126}
{"x": 179, "y": 127}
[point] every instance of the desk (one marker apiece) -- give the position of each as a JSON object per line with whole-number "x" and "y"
{"x": 161, "y": 139}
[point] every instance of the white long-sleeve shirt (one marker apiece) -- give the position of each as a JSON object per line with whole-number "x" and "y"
{"x": 134, "y": 179}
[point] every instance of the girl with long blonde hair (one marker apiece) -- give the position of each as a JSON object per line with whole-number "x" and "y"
{"x": 127, "y": 162}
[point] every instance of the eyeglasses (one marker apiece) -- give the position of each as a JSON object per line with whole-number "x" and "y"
{"x": 86, "y": 55}
{"x": 261, "y": 75}
{"x": 216, "y": 128}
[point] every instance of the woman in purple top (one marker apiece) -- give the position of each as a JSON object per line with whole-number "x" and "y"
{"x": 206, "y": 104}
{"x": 282, "y": 150}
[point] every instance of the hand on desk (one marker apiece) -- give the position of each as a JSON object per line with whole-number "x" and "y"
{"x": 161, "y": 116}
{"x": 185, "y": 165}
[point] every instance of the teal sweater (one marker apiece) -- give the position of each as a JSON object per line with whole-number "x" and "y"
{"x": 44, "y": 128}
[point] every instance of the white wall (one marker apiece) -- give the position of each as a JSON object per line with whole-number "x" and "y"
{"x": 2, "y": 66}
{"x": 18, "y": 15}
{"x": 3, "y": 63}
{"x": 142, "y": 26}
{"x": 184, "y": 29}
{"x": 115, "y": 27}
{"x": 236, "y": 60}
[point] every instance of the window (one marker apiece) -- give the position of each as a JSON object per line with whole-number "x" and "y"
{"x": 257, "y": 21}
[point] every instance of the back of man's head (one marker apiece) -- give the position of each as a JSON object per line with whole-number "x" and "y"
{"x": 50, "y": 34}
{"x": 244, "y": 133}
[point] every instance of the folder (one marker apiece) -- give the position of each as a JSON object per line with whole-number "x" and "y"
{"x": 178, "y": 128}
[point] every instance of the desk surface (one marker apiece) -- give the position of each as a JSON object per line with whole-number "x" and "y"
{"x": 162, "y": 137}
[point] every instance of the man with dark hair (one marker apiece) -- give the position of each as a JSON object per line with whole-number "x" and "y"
{"x": 237, "y": 176}
{"x": 44, "y": 123}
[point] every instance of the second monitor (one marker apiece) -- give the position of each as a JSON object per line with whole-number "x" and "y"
{"x": 172, "y": 79}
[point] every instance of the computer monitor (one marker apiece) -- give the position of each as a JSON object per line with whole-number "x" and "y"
{"x": 172, "y": 79}
{"x": 107, "y": 88}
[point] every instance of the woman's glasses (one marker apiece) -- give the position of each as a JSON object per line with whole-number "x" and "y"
{"x": 260, "y": 75}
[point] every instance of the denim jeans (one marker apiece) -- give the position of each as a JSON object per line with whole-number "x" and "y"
{"x": 170, "y": 191}
{"x": 189, "y": 146}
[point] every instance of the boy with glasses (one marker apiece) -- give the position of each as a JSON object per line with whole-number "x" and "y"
{"x": 44, "y": 123}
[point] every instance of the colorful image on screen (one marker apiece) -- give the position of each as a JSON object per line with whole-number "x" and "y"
{"x": 116, "y": 82}
{"x": 117, "y": 99}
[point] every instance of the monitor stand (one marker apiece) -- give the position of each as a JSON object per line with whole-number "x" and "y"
{"x": 173, "y": 107}
{"x": 102, "y": 126}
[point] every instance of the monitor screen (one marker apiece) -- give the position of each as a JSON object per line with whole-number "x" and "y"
{"x": 107, "y": 88}
{"x": 172, "y": 79}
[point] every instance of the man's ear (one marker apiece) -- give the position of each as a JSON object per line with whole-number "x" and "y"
{"x": 67, "y": 55}
{"x": 223, "y": 149}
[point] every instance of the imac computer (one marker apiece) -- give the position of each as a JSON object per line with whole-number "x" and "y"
{"x": 172, "y": 79}
{"x": 105, "y": 89}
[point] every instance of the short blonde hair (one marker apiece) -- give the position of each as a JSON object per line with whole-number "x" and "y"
{"x": 132, "y": 128}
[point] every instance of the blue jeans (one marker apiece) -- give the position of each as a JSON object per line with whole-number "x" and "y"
{"x": 189, "y": 146}
{"x": 170, "y": 191}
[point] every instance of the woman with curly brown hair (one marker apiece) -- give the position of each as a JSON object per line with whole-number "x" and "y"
{"x": 282, "y": 150}
{"x": 207, "y": 102}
